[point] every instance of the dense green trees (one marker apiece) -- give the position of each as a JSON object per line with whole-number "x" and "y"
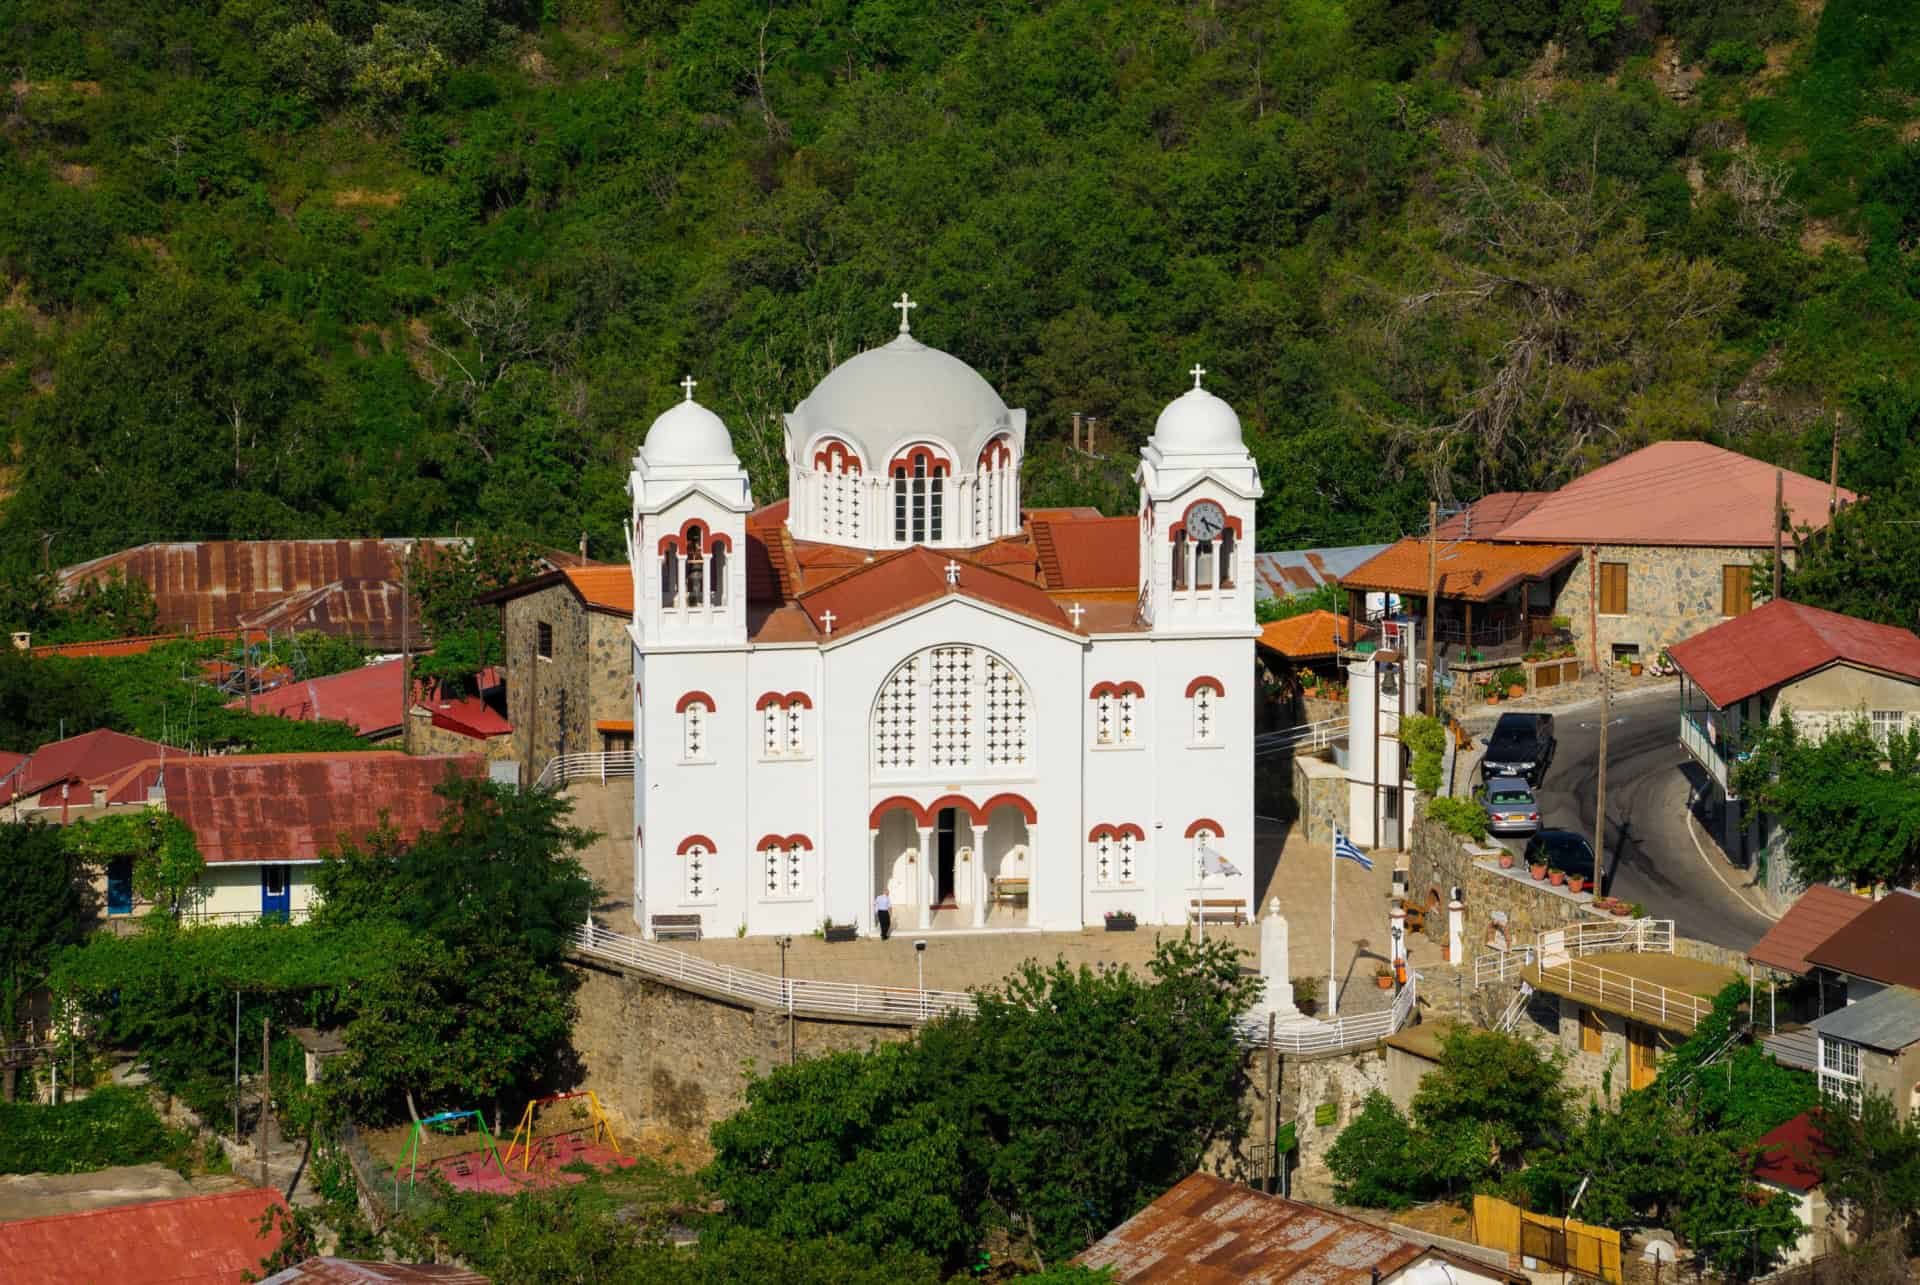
{"x": 1849, "y": 801}
{"x": 46, "y": 898}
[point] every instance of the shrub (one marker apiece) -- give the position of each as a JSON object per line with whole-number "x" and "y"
{"x": 1461, "y": 816}
{"x": 1427, "y": 738}
{"x": 1369, "y": 1158}
{"x": 1735, "y": 57}
{"x": 1512, "y": 676}
{"x": 111, "y": 1126}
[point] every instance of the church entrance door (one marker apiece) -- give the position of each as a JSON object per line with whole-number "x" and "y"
{"x": 946, "y": 841}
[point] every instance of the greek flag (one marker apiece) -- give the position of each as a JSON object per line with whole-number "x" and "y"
{"x": 1213, "y": 863}
{"x": 1344, "y": 850}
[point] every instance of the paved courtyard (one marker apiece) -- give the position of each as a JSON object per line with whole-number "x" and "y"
{"x": 1287, "y": 867}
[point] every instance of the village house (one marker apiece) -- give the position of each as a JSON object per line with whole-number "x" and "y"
{"x": 1781, "y": 955}
{"x": 1826, "y": 668}
{"x": 1791, "y": 1160}
{"x": 367, "y": 699}
{"x": 79, "y": 777}
{"x": 569, "y": 665}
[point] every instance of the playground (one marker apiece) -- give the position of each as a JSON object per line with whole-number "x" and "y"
{"x": 557, "y": 1141}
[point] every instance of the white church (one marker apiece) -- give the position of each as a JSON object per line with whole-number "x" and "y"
{"x": 899, "y": 678}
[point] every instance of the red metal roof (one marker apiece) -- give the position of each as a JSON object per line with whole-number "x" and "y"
{"x": 1778, "y": 642}
{"x": 900, "y": 581}
{"x": 469, "y": 716}
{"x": 198, "y": 1240}
{"x": 1489, "y": 515}
{"x": 1675, "y": 493}
{"x": 1208, "y": 1231}
{"x": 1879, "y": 944}
{"x": 368, "y": 698}
{"x": 83, "y": 759}
{"x": 1819, "y": 913}
{"x": 1793, "y": 1155}
{"x": 345, "y": 1271}
{"x": 294, "y": 807}
{"x": 1088, "y": 553}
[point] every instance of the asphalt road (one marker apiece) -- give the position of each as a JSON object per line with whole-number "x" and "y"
{"x": 1675, "y": 872}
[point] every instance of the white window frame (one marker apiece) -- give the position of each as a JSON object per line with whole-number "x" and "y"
{"x": 1888, "y": 723}
{"x": 1106, "y": 722}
{"x": 1839, "y": 1070}
{"x": 698, "y": 864}
{"x": 783, "y": 872}
{"x": 783, "y": 731}
{"x": 1200, "y": 838}
{"x": 1203, "y": 718}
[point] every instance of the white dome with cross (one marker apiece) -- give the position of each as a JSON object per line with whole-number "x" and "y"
{"x": 687, "y": 433}
{"x": 1197, "y": 423}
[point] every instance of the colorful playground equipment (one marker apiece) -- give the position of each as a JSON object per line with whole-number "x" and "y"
{"x": 589, "y": 1118}
{"x": 443, "y": 1123}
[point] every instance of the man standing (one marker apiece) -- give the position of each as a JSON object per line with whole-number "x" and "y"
{"x": 883, "y": 914}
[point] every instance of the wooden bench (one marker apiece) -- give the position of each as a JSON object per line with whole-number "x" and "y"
{"x": 1218, "y": 910}
{"x": 676, "y": 927}
{"x": 1011, "y": 890}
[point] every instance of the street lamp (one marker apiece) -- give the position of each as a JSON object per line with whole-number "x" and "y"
{"x": 920, "y": 971}
{"x": 783, "y": 942}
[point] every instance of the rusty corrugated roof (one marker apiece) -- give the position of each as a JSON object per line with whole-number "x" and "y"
{"x": 346, "y": 1271}
{"x": 197, "y": 1240}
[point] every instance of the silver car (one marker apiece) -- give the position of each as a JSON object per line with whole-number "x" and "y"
{"x": 1510, "y": 805}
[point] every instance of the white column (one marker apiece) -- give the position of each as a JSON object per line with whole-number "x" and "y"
{"x": 1277, "y": 981}
{"x": 1456, "y": 933}
{"x": 1397, "y": 934}
{"x": 1034, "y": 881}
{"x": 925, "y": 881}
{"x": 873, "y": 866}
{"x": 979, "y": 874}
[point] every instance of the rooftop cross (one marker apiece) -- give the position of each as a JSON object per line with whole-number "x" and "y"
{"x": 689, "y": 383}
{"x": 1197, "y": 371}
{"x": 826, "y": 618}
{"x": 953, "y": 572}
{"x": 905, "y": 306}
{"x": 1076, "y": 611}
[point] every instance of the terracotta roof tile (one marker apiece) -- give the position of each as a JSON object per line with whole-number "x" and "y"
{"x": 1779, "y": 641}
{"x": 900, "y": 581}
{"x": 1793, "y": 1155}
{"x": 368, "y": 699}
{"x": 295, "y": 807}
{"x": 198, "y": 1240}
{"x": 1088, "y": 553}
{"x": 1818, "y": 914}
{"x": 1675, "y": 493}
{"x": 786, "y": 624}
{"x": 1878, "y": 943}
{"x": 1471, "y": 570}
{"x": 604, "y": 588}
{"x": 1312, "y": 635}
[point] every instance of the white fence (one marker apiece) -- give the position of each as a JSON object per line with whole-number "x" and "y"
{"x": 1308, "y": 736}
{"x": 1644, "y": 936}
{"x": 895, "y": 1003}
{"x": 584, "y": 767}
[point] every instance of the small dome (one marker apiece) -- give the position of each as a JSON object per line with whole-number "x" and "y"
{"x": 899, "y": 393}
{"x": 1197, "y": 422}
{"x": 687, "y": 434}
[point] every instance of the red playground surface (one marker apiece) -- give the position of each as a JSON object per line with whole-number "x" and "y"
{"x": 479, "y": 1171}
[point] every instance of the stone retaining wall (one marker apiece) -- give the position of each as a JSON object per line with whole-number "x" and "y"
{"x": 1320, "y": 797}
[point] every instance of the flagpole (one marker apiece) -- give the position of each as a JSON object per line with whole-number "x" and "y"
{"x": 1333, "y": 940}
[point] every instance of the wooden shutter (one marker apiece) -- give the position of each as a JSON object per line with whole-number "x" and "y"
{"x": 1641, "y": 1055}
{"x": 1591, "y": 1030}
{"x": 1613, "y": 588}
{"x": 1736, "y": 591}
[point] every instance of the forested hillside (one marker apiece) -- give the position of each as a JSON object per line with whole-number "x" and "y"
{"x": 345, "y": 267}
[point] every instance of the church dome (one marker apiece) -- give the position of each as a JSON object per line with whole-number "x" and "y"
{"x": 689, "y": 434}
{"x": 905, "y": 391}
{"x": 1197, "y": 422}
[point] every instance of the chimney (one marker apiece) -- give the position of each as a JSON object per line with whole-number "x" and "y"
{"x": 1076, "y": 446}
{"x": 99, "y": 796}
{"x": 583, "y": 546}
{"x": 23, "y": 640}
{"x": 1091, "y": 421}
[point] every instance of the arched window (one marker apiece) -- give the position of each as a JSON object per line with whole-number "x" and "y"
{"x": 1116, "y": 713}
{"x": 1203, "y": 695}
{"x": 782, "y": 867}
{"x": 669, "y": 578}
{"x": 953, "y": 711}
{"x": 697, "y": 869}
{"x": 696, "y": 570}
{"x": 695, "y": 708}
{"x": 783, "y": 725}
{"x": 1203, "y": 564}
{"x": 1226, "y": 558}
{"x": 836, "y": 472}
{"x": 717, "y": 573}
{"x": 919, "y": 497}
{"x": 1203, "y": 834}
{"x": 1180, "y": 562}
{"x": 1115, "y": 851}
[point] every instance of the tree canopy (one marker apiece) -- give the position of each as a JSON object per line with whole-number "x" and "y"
{"x": 1849, "y": 801}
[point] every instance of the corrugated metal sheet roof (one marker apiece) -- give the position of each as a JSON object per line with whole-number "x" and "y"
{"x": 345, "y": 1271}
{"x": 1818, "y": 914}
{"x": 368, "y": 699}
{"x": 1792, "y": 1155}
{"x": 1297, "y": 571}
{"x": 1888, "y": 1020}
{"x": 294, "y": 807}
{"x": 1208, "y": 1231}
{"x": 1878, "y": 944}
{"x": 358, "y": 607}
{"x": 1779, "y": 641}
{"x": 198, "y": 1240}
{"x": 83, "y": 759}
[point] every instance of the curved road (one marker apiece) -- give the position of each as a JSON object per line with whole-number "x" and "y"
{"x": 1662, "y": 860}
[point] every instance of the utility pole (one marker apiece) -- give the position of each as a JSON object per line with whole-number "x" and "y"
{"x": 1779, "y": 519}
{"x": 1433, "y": 587}
{"x": 236, "y": 1071}
{"x": 266, "y": 1091}
{"x": 1273, "y": 1112}
{"x": 406, "y": 644}
{"x": 1833, "y": 475}
{"x": 1600, "y": 802}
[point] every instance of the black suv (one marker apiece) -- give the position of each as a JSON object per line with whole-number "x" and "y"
{"x": 1521, "y": 745}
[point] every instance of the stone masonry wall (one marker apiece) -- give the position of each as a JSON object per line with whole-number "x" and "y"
{"x": 1321, "y": 796}
{"x": 1672, "y": 594}
{"x": 555, "y": 703}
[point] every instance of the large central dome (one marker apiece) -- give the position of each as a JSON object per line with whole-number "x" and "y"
{"x": 889, "y": 396}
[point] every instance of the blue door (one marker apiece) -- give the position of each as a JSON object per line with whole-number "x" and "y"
{"x": 120, "y": 886}
{"x": 274, "y": 901}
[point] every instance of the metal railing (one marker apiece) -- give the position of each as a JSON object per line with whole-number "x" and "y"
{"x": 911, "y": 1004}
{"x": 1515, "y": 1007}
{"x": 1620, "y": 993}
{"x": 562, "y": 768}
{"x": 1309, "y": 736}
{"x": 1643, "y": 936}
{"x": 1700, "y": 743}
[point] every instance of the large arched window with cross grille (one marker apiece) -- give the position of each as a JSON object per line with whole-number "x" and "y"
{"x": 953, "y": 711}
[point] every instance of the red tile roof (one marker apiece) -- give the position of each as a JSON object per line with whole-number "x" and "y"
{"x": 469, "y": 716}
{"x": 83, "y": 759}
{"x": 1088, "y": 553}
{"x": 1793, "y": 1155}
{"x": 1818, "y": 914}
{"x": 1778, "y": 642}
{"x": 604, "y": 588}
{"x": 1208, "y": 1231}
{"x": 198, "y": 1240}
{"x": 1471, "y": 570}
{"x": 1675, "y": 493}
{"x": 907, "y": 578}
{"x": 294, "y": 807}
{"x": 1310, "y": 636}
{"x": 1489, "y": 515}
{"x": 345, "y": 1271}
{"x": 1878, "y": 944}
{"x": 368, "y": 699}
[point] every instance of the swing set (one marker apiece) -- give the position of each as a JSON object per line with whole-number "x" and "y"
{"x": 585, "y": 1107}
{"x": 444, "y": 1123}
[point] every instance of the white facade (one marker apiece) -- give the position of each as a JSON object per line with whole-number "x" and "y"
{"x": 980, "y": 751}
{"x": 241, "y": 890}
{"x": 1380, "y": 692}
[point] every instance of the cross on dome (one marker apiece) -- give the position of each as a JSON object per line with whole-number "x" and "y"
{"x": 953, "y": 572}
{"x": 1076, "y": 611}
{"x": 826, "y": 618}
{"x": 1197, "y": 371}
{"x": 905, "y": 305}
{"x": 689, "y": 383}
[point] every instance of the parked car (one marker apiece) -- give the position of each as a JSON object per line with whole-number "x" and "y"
{"x": 1510, "y": 805}
{"x": 1565, "y": 850}
{"x": 1520, "y": 745}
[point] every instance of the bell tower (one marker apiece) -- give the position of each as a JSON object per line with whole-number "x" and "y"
{"x": 1198, "y": 490}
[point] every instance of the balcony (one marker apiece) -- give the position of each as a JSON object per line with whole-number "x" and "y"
{"x": 1698, "y": 736}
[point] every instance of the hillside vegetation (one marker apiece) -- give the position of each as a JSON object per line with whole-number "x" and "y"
{"x": 346, "y": 267}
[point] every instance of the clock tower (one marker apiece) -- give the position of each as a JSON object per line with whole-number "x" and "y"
{"x": 1198, "y": 489}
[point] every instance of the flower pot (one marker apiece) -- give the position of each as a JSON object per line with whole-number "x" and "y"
{"x": 1556, "y": 877}
{"x": 1634, "y": 669}
{"x": 1623, "y": 910}
{"x": 1576, "y": 884}
{"x": 1539, "y": 871}
{"x": 1517, "y": 690}
{"x": 841, "y": 932}
{"x": 1493, "y": 698}
{"x": 1506, "y": 861}
{"x": 1383, "y": 980}
{"x": 1121, "y": 923}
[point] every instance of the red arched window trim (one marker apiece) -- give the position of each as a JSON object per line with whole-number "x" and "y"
{"x": 932, "y": 810}
{"x": 1206, "y": 680}
{"x": 1019, "y": 801}
{"x": 1179, "y": 528}
{"x": 695, "y": 840}
{"x": 996, "y": 454}
{"x": 886, "y": 805}
{"x": 1127, "y": 688}
{"x": 836, "y": 456}
{"x": 937, "y": 463}
{"x": 1209, "y": 825}
{"x": 1093, "y": 835}
{"x": 790, "y": 699}
{"x": 1122, "y": 831}
{"x": 692, "y": 698}
{"x": 708, "y": 540}
{"x": 779, "y": 841}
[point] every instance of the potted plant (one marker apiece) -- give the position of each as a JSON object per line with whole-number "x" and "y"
{"x": 1539, "y": 870}
{"x": 1556, "y": 877}
{"x": 838, "y": 932}
{"x": 1621, "y": 909}
{"x": 1306, "y": 994}
{"x": 1506, "y": 860}
{"x": 1121, "y": 921}
{"x": 1383, "y": 977}
{"x": 1576, "y": 883}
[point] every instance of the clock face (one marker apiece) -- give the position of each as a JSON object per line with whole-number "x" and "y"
{"x": 1205, "y": 521}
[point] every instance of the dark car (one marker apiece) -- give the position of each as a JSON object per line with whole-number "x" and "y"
{"x": 1521, "y": 745}
{"x": 1565, "y": 850}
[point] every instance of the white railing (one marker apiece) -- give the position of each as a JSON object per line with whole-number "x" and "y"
{"x": 912, "y": 1004}
{"x": 1696, "y": 741}
{"x": 1591, "y": 937}
{"x": 563, "y": 768}
{"x": 1619, "y": 993}
{"x": 1308, "y": 736}
{"x": 1515, "y": 1007}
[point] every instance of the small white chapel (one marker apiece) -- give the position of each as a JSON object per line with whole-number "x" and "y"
{"x": 900, "y": 678}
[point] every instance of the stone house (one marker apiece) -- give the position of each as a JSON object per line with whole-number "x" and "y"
{"x": 569, "y": 664}
{"x": 1872, "y": 1042}
{"x": 1826, "y": 668}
